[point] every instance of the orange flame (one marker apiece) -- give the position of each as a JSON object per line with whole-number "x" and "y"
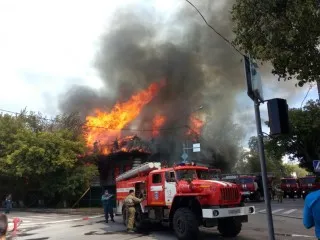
{"x": 106, "y": 126}
{"x": 157, "y": 122}
{"x": 196, "y": 126}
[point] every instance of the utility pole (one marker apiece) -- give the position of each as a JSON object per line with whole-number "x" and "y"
{"x": 263, "y": 169}
{"x": 254, "y": 91}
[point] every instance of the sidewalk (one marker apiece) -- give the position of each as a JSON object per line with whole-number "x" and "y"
{"x": 75, "y": 211}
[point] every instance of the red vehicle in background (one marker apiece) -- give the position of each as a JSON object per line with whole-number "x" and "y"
{"x": 247, "y": 184}
{"x": 290, "y": 186}
{"x": 308, "y": 184}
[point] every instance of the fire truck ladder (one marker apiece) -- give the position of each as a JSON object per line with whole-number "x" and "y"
{"x": 144, "y": 168}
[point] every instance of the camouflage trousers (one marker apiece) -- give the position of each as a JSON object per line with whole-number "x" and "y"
{"x": 130, "y": 214}
{"x": 279, "y": 195}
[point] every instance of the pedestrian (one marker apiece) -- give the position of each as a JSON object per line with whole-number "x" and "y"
{"x": 279, "y": 193}
{"x": 107, "y": 206}
{"x": 311, "y": 212}
{"x": 8, "y": 204}
{"x": 130, "y": 203}
{"x": 3, "y": 226}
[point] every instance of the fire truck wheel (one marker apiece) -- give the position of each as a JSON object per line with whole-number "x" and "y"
{"x": 229, "y": 227}
{"x": 185, "y": 224}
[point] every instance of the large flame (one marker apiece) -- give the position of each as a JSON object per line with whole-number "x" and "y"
{"x": 105, "y": 127}
{"x": 157, "y": 123}
{"x": 195, "y": 126}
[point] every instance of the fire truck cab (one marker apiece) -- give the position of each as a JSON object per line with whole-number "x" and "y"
{"x": 290, "y": 186}
{"x": 183, "y": 198}
{"x": 247, "y": 184}
{"x": 308, "y": 184}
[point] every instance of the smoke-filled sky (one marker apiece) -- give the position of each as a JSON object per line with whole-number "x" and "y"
{"x": 70, "y": 55}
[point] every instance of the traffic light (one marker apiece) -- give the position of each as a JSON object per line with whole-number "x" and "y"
{"x": 278, "y": 116}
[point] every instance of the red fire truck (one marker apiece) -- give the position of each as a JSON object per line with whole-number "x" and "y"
{"x": 182, "y": 198}
{"x": 250, "y": 185}
{"x": 290, "y": 186}
{"x": 308, "y": 184}
{"x": 246, "y": 186}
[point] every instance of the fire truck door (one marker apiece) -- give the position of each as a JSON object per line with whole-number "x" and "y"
{"x": 156, "y": 189}
{"x": 170, "y": 187}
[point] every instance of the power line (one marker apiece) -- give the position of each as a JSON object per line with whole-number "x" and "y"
{"x": 210, "y": 26}
{"x": 310, "y": 87}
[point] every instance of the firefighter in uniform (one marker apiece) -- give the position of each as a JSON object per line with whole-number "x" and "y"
{"x": 130, "y": 203}
{"x": 279, "y": 193}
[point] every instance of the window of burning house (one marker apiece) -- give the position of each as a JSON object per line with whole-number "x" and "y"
{"x": 156, "y": 178}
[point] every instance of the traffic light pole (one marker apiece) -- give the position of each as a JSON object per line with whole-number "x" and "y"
{"x": 263, "y": 169}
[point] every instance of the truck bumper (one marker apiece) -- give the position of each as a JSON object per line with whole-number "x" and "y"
{"x": 228, "y": 212}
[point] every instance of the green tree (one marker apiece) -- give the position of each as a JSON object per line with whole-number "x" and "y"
{"x": 44, "y": 154}
{"x": 303, "y": 143}
{"x": 283, "y": 32}
{"x": 289, "y": 169}
{"x": 250, "y": 161}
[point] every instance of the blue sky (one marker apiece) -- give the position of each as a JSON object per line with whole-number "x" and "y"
{"x": 47, "y": 46}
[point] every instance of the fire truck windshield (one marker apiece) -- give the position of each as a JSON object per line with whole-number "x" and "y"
{"x": 245, "y": 180}
{"x": 194, "y": 174}
{"x": 307, "y": 180}
{"x": 288, "y": 181}
{"x": 186, "y": 174}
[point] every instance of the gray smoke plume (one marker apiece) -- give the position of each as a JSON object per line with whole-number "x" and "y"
{"x": 199, "y": 67}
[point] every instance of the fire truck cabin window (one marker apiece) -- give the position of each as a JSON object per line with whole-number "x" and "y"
{"x": 156, "y": 178}
{"x": 170, "y": 177}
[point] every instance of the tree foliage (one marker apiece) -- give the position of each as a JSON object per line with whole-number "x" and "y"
{"x": 303, "y": 143}
{"x": 284, "y": 32}
{"x": 46, "y": 153}
{"x": 250, "y": 161}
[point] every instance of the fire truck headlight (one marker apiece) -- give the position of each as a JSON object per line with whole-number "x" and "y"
{"x": 295, "y": 191}
{"x": 251, "y": 209}
{"x": 215, "y": 213}
{"x": 303, "y": 191}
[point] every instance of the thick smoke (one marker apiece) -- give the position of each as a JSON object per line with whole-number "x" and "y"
{"x": 199, "y": 67}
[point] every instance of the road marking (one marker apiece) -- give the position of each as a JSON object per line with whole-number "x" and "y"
{"x": 290, "y": 211}
{"x": 262, "y": 211}
{"x": 278, "y": 210}
{"x": 51, "y": 217}
{"x": 61, "y": 221}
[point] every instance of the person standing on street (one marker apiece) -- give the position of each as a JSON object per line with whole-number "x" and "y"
{"x": 311, "y": 212}
{"x": 130, "y": 203}
{"x": 8, "y": 203}
{"x": 107, "y": 206}
{"x": 3, "y": 226}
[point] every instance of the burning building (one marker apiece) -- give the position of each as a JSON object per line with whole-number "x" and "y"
{"x": 155, "y": 73}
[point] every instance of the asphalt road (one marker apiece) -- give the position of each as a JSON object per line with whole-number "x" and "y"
{"x": 63, "y": 226}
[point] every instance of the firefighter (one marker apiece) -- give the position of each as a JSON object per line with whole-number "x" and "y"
{"x": 130, "y": 203}
{"x": 279, "y": 194}
{"x": 107, "y": 205}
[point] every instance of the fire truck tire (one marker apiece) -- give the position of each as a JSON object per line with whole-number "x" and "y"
{"x": 185, "y": 224}
{"x": 229, "y": 227}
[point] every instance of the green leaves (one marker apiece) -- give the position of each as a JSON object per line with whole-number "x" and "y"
{"x": 284, "y": 32}
{"x": 303, "y": 143}
{"x": 44, "y": 153}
